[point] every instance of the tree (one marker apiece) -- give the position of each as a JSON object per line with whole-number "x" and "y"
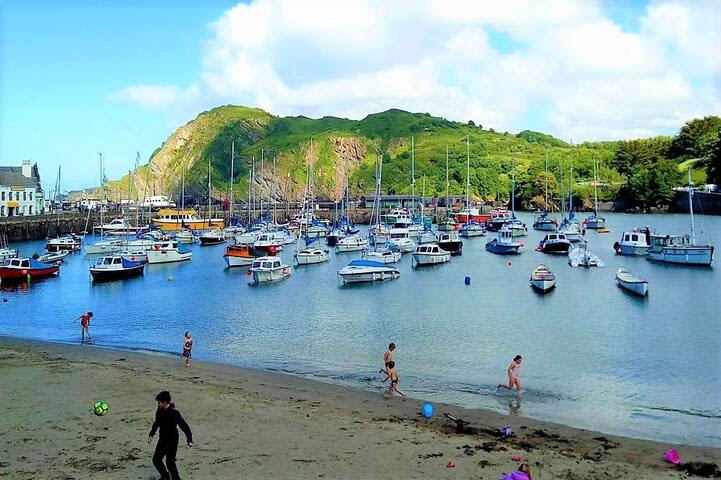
{"x": 713, "y": 167}
{"x": 639, "y": 153}
{"x": 653, "y": 186}
{"x": 696, "y": 138}
{"x": 471, "y": 123}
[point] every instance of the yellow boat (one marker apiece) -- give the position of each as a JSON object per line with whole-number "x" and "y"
{"x": 172, "y": 220}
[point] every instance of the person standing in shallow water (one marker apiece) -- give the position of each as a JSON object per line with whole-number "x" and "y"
{"x": 85, "y": 325}
{"x": 167, "y": 419}
{"x": 187, "y": 348}
{"x": 514, "y": 372}
{"x": 388, "y": 358}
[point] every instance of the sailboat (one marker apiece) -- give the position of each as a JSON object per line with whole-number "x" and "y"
{"x": 381, "y": 255}
{"x": 186, "y": 235}
{"x": 212, "y": 236}
{"x": 470, "y": 214}
{"x": 595, "y": 221}
{"x": 309, "y": 255}
{"x": 543, "y": 222}
{"x": 581, "y": 257}
{"x": 449, "y": 223}
{"x": 514, "y": 224}
{"x": 470, "y": 228}
{"x": 102, "y": 245}
{"x": 69, "y": 242}
{"x": 681, "y": 249}
{"x": 570, "y": 226}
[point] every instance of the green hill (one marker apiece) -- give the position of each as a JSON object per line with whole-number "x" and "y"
{"x": 281, "y": 147}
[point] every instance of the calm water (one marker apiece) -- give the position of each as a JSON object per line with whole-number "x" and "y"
{"x": 595, "y": 357}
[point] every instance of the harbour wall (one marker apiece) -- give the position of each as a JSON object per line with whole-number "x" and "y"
{"x": 37, "y": 227}
{"x": 703, "y": 203}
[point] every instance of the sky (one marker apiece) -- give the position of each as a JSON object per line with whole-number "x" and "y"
{"x": 82, "y": 77}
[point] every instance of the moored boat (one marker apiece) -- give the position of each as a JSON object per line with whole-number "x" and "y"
{"x": 554, "y": 243}
{"x": 173, "y": 220}
{"x": 353, "y": 243}
{"x": 115, "y": 267}
{"x": 70, "y": 242}
{"x": 213, "y": 237}
{"x": 52, "y": 257}
{"x": 20, "y": 269}
{"x": 168, "y": 252}
{"x": 542, "y": 279}
{"x": 430, "y": 254}
{"x": 104, "y": 246}
{"x": 631, "y": 282}
{"x": 450, "y": 242}
{"x": 268, "y": 269}
{"x": 186, "y": 236}
{"x": 310, "y": 256}
{"x": 400, "y": 240}
{"x": 8, "y": 253}
{"x": 635, "y": 242}
{"x": 544, "y": 223}
{"x": 358, "y": 271}
{"x": 504, "y": 244}
{"x": 582, "y": 257}
{"x": 241, "y": 255}
{"x": 383, "y": 256}
{"x": 134, "y": 254}
{"x": 472, "y": 230}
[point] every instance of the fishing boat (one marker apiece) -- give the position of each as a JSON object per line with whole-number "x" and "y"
{"x": 104, "y": 246}
{"x": 450, "y": 242}
{"x": 635, "y": 242}
{"x": 241, "y": 255}
{"x": 69, "y": 242}
{"x": 472, "y": 230}
{"x": 20, "y": 269}
{"x": 310, "y": 256}
{"x": 358, "y": 271}
{"x": 134, "y": 254}
{"x": 382, "y": 256}
{"x": 595, "y": 221}
{"x": 354, "y": 243}
{"x": 631, "y": 282}
{"x": 168, "y": 252}
{"x": 400, "y": 240}
{"x": 681, "y": 249}
{"x": 555, "y": 243}
{"x": 212, "y": 237}
{"x": 171, "y": 220}
{"x": 582, "y": 257}
{"x": 53, "y": 257}
{"x": 430, "y": 254}
{"x": 115, "y": 267}
{"x": 542, "y": 279}
{"x": 504, "y": 243}
{"x": 268, "y": 269}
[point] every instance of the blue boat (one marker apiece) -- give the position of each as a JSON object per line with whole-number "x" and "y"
{"x": 504, "y": 243}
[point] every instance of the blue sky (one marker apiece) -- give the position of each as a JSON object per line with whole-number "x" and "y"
{"x": 86, "y": 77}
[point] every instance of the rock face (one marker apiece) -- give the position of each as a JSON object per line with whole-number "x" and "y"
{"x": 351, "y": 152}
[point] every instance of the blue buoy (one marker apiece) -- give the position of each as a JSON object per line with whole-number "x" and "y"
{"x": 427, "y": 410}
{"x": 468, "y": 280}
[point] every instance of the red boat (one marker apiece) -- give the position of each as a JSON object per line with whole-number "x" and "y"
{"x": 475, "y": 213}
{"x": 21, "y": 268}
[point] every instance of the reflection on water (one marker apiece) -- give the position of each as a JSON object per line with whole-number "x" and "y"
{"x": 594, "y": 356}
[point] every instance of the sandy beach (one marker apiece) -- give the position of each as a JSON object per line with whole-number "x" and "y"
{"x": 256, "y": 424}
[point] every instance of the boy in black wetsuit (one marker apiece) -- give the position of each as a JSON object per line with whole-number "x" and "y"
{"x": 167, "y": 418}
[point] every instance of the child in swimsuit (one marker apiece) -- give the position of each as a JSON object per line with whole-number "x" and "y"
{"x": 187, "y": 348}
{"x": 388, "y": 358}
{"x": 514, "y": 371}
{"x": 393, "y": 387}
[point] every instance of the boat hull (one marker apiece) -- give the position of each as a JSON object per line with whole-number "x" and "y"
{"x": 477, "y": 218}
{"x": 453, "y": 247}
{"x": 21, "y": 274}
{"x": 311, "y": 259}
{"x": 500, "y": 249}
{"x": 556, "y": 248}
{"x": 371, "y": 276}
{"x": 237, "y": 261}
{"x": 391, "y": 257}
{"x": 543, "y": 285}
{"x": 175, "y": 225}
{"x": 632, "y": 250}
{"x": 401, "y": 245}
{"x": 701, "y": 256}
{"x": 639, "y": 288}
{"x": 211, "y": 241}
{"x": 269, "y": 276}
{"x": 105, "y": 274}
{"x": 97, "y": 249}
{"x": 432, "y": 259}
{"x": 167, "y": 256}
{"x": 545, "y": 226}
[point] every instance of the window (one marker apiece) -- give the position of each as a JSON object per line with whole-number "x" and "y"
{"x": 30, "y": 210}
{"x": 2, "y": 208}
{"x": 25, "y": 196}
{"x": 2, "y": 196}
{"x": 31, "y": 196}
{"x": 17, "y": 196}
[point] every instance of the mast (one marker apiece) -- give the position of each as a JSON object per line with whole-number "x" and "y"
{"x": 209, "y": 195}
{"x": 595, "y": 186}
{"x": 273, "y": 199}
{"x": 232, "y": 161}
{"x": 468, "y": 176}
{"x": 104, "y": 193}
{"x": 545, "y": 194}
{"x": 447, "y": 185}
{"x": 182, "y": 190}
{"x": 137, "y": 209}
{"x": 413, "y": 173}
{"x": 570, "y": 184}
{"x": 250, "y": 187}
{"x": 513, "y": 185}
{"x": 690, "y": 208}
{"x": 423, "y": 198}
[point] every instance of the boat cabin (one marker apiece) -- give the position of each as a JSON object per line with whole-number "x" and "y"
{"x": 448, "y": 237}
{"x": 108, "y": 261}
{"x": 429, "y": 249}
{"x": 399, "y": 233}
{"x": 555, "y": 236}
{"x": 670, "y": 240}
{"x": 267, "y": 263}
{"x": 19, "y": 263}
{"x": 169, "y": 215}
{"x": 635, "y": 238}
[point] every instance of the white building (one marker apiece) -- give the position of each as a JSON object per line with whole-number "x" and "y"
{"x": 20, "y": 190}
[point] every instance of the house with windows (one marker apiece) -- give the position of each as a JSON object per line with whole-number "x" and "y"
{"x": 20, "y": 190}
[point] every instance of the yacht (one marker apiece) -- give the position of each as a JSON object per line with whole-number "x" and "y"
{"x": 358, "y": 271}
{"x": 168, "y": 252}
{"x": 545, "y": 223}
{"x": 353, "y": 243}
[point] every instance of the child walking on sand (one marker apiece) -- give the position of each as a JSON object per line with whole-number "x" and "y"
{"x": 388, "y": 358}
{"x": 393, "y": 387}
{"x": 85, "y": 325}
{"x": 514, "y": 370}
{"x": 187, "y": 348}
{"x": 167, "y": 419}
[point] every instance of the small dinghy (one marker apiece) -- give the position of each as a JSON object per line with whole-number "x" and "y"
{"x": 631, "y": 282}
{"x": 542, "y": 279}
{"x": 53, "y": 257}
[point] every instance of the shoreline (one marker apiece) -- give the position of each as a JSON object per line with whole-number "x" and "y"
{"x": 297, "y": 427}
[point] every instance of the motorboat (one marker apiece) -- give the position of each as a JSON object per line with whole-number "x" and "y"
{"x": 358, "y": 271}
{"x": 269, "y": 242}
{"x": 52, "y": 257}
{"x": 186, "y": 236}
{"x": 168, "y": 252}
{"x": 542, "y": 279}
{"x": 383, "y": 256}
{"x": 69, "y": 242}
{"x": 248, "y": 237}
{"x": 104, "y": 246}
{"x": 498, "y": 219}
{"x": 268, "y": 269}
{"x": 430, "y": 254}
{"x": 241, "y": 255}
{"x": 400, "y": 240}
{"x": 582, "y": 257}
{"x": 134, "y": 254}
{"x": 635, "y": 242}
{"x": 310, "y": 256}
{"x": 398, "y": 218}
{"x": 174, "y": 220}
{"x": 545, "y": 223}
{"x": 517, "y": 227}
{"x": 212, "y": 237}
{"x": 353, "y": 243}
{"x": 504, "y": 243}
{"x": 571, "y": 229}
{"x": 555, "y": 243}
{"x": 472, "y": 230}
{"x": 594, "y": 221}
{"x": 679, "y": 249}
{"x": 631, "y": 282}
{"x": 20, "y": 269}
{"x": 447, "y": 225}
{"x": 450, "y": 242}
{"x": 115, "y": 267}
{"x": 8, "y": 253}
{"x": 471, "y": 214}
{"x": 117, "y": 226}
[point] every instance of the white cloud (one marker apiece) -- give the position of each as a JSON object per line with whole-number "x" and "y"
{"x": 588, "y": 78}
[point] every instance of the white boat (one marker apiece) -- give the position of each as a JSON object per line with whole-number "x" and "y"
{"x": 241, "y": 255}
{"x": 383, "y": 256}
{"x": 168, "y": 252}
{"x": 555, "y": 243}
{"x": 115, "y": 267}
{"x": 631, "y": 282}
{"x": 319, "y": 229}
{"x": 504, "y": 244}
{"x": 186, "y": 236}
{"x": 430, "y": 254}
{"x": 581, "y": 257}
{"x": 310, "y": 256}
{"x": 595, "y": 221}
{"x": 450, "y": 242}
{"x": 8, "y": 253}
{"x": 52, "y": 257}
{"x": 400, "y": 240}
{"x": 358, "y": 271}
{"x": 268, "y": 269}
{"x": 271, "y": 242}
{"x": 247, "y": 238}
{"x": 516, "y": 227}
{"x": 104, "y": 246}
{"x": 214, "y": 236}
{"x": 427, "y": 236}
{"x": 68, "y": 242}
{"x": 635, "y": 242}
{"x": 134, "y": 254}
{"x": 472, "y": 230}
{"x": 572, "y": 230}
{"x": 542, "y": 279}
{"x": 447, "y": 225}
{"x": 353, "y": 243}
{"x": 398, "y": 218}
{"x": 117, "y": 226}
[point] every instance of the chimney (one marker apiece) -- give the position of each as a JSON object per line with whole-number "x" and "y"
{"x": 27, "y": 168}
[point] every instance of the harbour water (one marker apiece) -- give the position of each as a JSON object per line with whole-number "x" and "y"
{"x": 594, "y": 356}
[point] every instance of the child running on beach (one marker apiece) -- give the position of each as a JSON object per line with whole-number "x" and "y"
{"x": 85, "y": 325}
{"x": 514, "y": 370}
{"x": 388, "y": 358}
{"x": 187, "y": 348}
{"x": 393, "y": 387}
{"x": 167, "y": 419}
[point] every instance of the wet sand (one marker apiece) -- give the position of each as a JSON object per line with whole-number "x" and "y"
{"x": 257, "y": 424}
